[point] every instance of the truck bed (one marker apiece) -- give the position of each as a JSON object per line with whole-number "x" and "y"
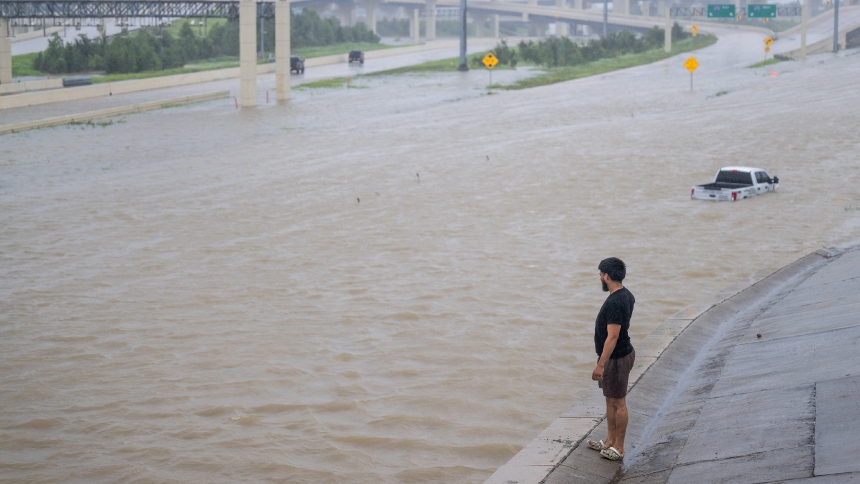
{"x": 721, "y": 185}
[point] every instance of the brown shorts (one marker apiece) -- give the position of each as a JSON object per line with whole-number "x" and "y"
{"x": 615, "y": 376}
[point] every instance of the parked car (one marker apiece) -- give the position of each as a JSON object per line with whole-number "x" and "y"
{"x": 297, "y": 64}
{"x": 356, "y": 56}
{"x": 734, "y": 183}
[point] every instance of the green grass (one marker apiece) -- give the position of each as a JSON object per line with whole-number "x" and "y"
{"x": 22, "y": 65}
{"x": 337, "y": 82}
{"x": 442, "y": 65}
{"x": 227, "y": 62}
{"x": 766, "y": 63}
{"x": 603, "y": 66}
{"x": 166, "y": 72}
{"x": 309, "y": 52}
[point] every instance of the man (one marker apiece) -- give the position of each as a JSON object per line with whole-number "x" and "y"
{"x": 615, "y": 356}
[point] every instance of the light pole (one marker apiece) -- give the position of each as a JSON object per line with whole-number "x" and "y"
{"x": 605, "y": 16}
{"x": 835, "y": 26}
{"x": 262, "y": 36}
{"x": 463, "y": 64}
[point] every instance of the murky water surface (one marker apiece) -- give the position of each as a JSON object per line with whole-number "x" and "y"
{"x": 389, "y": 284}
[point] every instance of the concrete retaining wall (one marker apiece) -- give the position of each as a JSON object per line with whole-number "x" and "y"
{"x": 117, "y": 111}
{"x": 19, "y": 87}
{"x": 828, "y": 14}
{"x": 821, "y": 47}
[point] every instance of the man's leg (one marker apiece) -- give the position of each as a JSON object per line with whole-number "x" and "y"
{"x": 616, "y": 421}
{"x": 610, "y": 423}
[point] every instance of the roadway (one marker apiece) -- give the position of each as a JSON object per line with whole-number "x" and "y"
{"x": 434, "y": 51}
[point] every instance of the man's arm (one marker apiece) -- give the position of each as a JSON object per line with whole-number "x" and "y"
{"x": 613, "y": 330}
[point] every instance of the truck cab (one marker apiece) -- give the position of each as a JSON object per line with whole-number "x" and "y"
{"x": 736, "y": 183}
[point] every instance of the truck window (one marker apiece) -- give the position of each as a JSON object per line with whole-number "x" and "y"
{"x": 726, "y": 176}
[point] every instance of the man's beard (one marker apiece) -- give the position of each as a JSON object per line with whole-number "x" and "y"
{"x": 605, "y": 287}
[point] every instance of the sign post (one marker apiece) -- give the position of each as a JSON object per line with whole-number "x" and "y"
{"x": 691, "y": 66}
{"x": 490, "y": 61}
{"x": 767, "y": 43}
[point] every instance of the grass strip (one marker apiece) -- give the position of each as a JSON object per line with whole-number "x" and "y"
{"x": 311, "y": 52}
{"x": 22, "y": 65}
{"x": 166, "y": 72}
{"x": 442, "y": 65}
{"x": 602, "y": 66}
{"x": 766, "y": 63}
{"x": 337, "y": 82}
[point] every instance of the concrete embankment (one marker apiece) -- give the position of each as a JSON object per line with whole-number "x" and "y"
{"x": 761, "y": 385}
{"x": 115, "y": 111}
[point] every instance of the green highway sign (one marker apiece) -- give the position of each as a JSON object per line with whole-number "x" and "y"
{"x": 721, "y": 10}
{"x": 761, "y": 11}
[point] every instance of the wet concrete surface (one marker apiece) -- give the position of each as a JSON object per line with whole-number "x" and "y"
{"x": 760, "y": 388}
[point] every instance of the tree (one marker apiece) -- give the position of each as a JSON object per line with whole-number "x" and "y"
{"x": 54, "y": 59}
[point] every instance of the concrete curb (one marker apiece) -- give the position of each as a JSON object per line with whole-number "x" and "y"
{"x": 117, "y": 111}
{"x": 551, "y": 447}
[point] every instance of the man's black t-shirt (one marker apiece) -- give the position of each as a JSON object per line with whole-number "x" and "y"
{"x": 617, "y": 309}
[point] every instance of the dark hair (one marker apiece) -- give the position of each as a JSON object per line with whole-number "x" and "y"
{"x": 614, "y": 267}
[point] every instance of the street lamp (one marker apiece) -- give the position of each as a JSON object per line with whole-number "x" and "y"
{"x": 463, "y": 64}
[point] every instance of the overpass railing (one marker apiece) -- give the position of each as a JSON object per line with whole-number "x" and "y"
{"x": 126, "y": 9}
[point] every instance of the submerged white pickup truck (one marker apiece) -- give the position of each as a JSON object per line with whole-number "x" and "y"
{"x": 734, "y": 183}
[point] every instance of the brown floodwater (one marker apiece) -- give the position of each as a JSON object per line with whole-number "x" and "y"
{"x": 395, "y": 283}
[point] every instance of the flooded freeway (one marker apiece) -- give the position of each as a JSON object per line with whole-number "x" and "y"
{"x": 391, "y": 283}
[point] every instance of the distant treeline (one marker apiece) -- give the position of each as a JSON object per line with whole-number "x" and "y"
{"x": 149, "y": 49}
{"x": 561, "y": 51}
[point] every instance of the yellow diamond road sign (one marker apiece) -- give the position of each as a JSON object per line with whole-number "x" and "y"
{"x": 490, "y": 60}
{"x": 768, "y": 41}
{"x": 691, "y": 64}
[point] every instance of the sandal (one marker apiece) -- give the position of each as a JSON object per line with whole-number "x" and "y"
{"x": 611, "y": 453}
{"x": 597, "y": 445}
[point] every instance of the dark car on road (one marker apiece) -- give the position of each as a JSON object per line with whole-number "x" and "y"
{"x": 356, "y": 56}
{"x": 297, "y": 64}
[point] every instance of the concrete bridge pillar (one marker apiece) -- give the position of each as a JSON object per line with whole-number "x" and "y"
{"x": 431, "y": 20}
{"x": 662, "y": 5}
{"x": 414, "y": 26}
{"x": 479, "y": 19}
{"x": 538, "y": 27}
{"x": 248, "y": 52}
{"x": 346, "y": 12}
{"x": 621, "y": 7}
{"x": 282, "y": 50}
{"x": 562, "y": 29}
{"x": 577, "y": 4}
{"x": 494, "y": 26}
{"x": 370, "y": 7}
{"x": 5, "y": 54}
